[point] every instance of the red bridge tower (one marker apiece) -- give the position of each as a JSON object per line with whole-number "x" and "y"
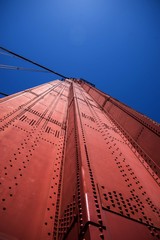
{"x": 77, "y": 164}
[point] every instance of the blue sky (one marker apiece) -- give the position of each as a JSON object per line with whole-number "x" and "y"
{"x": 113, "y": 43}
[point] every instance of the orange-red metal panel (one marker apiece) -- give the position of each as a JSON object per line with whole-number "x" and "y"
{"x": 32, "y": 138}
{"x": 133, "y": 125}
{"x": 131, "y": 191}
{"x": 74, "y": 165}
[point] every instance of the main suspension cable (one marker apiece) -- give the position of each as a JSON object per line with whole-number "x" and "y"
{"x": 4, "y": 94}
{"x": 30, "y": 61}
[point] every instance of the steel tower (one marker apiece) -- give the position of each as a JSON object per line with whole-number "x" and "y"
{"x": 77, "y": 164}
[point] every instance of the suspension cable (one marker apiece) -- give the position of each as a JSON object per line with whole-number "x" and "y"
{"x": 30, "y": 61}
{"x": 6, "y": 54}
{"x": 21, "y": 68}
{"x": 4, "y": 94}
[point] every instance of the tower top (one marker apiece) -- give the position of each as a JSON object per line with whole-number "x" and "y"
{"x": 80, "y": 80}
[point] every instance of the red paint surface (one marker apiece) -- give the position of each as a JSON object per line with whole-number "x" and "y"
{"x": 77, "y": 164}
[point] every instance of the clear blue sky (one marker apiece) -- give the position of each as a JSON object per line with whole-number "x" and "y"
{"x": 113, "y": 43}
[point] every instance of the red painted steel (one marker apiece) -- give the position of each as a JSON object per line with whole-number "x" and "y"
{"x": 76, "y": 164}
{"x": 142, "y": 132}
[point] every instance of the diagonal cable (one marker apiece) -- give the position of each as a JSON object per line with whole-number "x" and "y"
{"x": 3, "y": 66}
{"x": 30, "y": 61}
